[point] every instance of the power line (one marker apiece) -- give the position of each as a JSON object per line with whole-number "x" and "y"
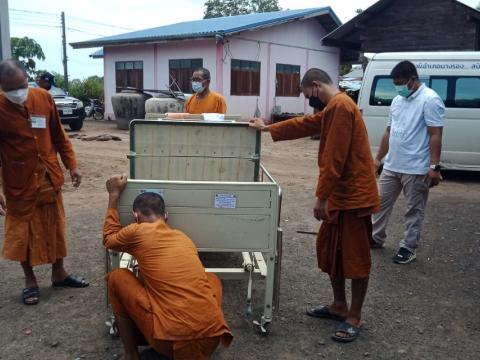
{"x": 33, "y": 22}
{"x": 35, "y": 17}
{"x": 39, "y": 25}
{"x": 98, "y": 23}
{"x": 85, "y": 32}
{"x": 34, "y": 12}
{"x": 71, "y": 17}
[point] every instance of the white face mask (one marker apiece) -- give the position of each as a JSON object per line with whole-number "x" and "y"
{"x": 18, "y": 96}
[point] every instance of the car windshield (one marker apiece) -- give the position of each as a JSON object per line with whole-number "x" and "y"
{"x": 55, "y": 91}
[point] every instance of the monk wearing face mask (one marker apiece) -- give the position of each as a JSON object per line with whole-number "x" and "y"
{"x": 204, "y": 100}
{"x": 31, "y": 138}
{"x": 346, "y": 195}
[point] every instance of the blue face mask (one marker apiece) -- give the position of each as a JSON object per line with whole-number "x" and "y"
{"x": 403, "y": 90}
{"x": 197, "y": 87}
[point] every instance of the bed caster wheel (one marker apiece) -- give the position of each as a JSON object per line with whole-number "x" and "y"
{"x": 113, "y": 328}
{"x": 263, "y": 326}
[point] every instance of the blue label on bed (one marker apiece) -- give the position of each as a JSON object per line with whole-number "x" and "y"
{"x": 225, "y": 201}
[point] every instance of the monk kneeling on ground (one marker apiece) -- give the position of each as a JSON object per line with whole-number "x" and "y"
{"x": 176, "y": 308}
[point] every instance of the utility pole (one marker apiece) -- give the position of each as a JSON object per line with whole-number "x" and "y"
{"x": 5, "y": 47}
{"x": 64, "y": 45}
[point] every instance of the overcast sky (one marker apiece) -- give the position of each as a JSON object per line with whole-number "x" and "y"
{"x": 89, "y": 19}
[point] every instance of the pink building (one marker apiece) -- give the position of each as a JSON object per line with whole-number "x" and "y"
{"x": 253, "y": 59}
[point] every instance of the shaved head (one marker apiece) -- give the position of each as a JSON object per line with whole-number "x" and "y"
{"x": 315, "y": 74}
{"x": 9, "y": 68}
{"x": 12, "y": 75}
{"x": 149, "y": 204}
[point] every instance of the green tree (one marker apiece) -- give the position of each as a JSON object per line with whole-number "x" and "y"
{"x": 219, "y": 8}
{"x": 89, "y": 88}
{"x": 26, "y": 50}
{"x": 259, "y": 6}
{"x": 345, "y": 69}
{"x": 59, "y": 80}
{"x": 478, "y": 6}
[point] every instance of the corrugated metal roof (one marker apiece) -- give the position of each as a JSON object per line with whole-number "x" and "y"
{"x": 228, "y": 25}
{"x": 97, "y": 54}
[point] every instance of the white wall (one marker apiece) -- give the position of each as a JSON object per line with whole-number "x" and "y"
{"x": 204, "y": 49}
{"x": 297, "y": 43}
{"x": 155, "y": 59}
{"x": 126, "y": 53}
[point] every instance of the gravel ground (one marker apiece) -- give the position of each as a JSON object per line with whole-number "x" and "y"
{"x": 425, "y": 310}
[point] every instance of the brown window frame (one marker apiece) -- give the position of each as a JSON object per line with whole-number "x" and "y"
{"x": 181, "y": 70}
{"x": 128, "y": 74}
{"x": 287, "y": 80}
{"x": 245, "y": 77}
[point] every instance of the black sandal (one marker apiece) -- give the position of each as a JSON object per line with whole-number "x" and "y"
{"x": 71, "y": 281}
{"x": 31, "y": 295}
{"x": 323, "y": 312}
{"x": 351, "y": 331}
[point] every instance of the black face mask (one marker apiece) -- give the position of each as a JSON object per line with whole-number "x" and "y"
{"x": 316, "y": 103}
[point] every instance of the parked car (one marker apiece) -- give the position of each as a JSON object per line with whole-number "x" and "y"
{"x": 455, "y": 76}
{"x": 71, "y": 110}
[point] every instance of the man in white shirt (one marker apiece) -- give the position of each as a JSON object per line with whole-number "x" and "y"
{"x": 411, "y": 146}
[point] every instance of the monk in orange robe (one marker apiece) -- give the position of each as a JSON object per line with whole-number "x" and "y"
{"x": 176, "y": 306}
{"x": 346, "y": 194}
{"x": 204, "y": 100}
{"x": 31, "y": 136}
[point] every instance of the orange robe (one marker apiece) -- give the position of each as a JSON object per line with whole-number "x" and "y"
{"x": 177, "y": 309}
{"x": 212, "y": 103}
{"x": 346, "y": 180}
{"x": 32, "y": 179}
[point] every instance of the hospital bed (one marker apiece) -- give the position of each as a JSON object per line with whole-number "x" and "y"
{"x": 216, "y": 191}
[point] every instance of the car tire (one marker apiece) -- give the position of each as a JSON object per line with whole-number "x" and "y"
{"x": 76, "y": 125}
{"x": 98, "y": 115}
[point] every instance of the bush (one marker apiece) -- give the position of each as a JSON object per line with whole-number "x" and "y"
{"x": 89, "y": 88}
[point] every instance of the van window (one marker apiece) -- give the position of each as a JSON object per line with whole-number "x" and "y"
{"x": 383, "y": 91}
{"x": 467, "y": 92}
{"x": 440, "y": 86}
{"x": 457, "y": 91}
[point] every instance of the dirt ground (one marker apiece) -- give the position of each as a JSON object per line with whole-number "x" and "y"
{"x": 425, "y": 310}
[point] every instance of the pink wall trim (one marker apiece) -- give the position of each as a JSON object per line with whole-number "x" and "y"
{"x": 155, "y": 66}
{"x": 219, "y": 68}
{"x": 269, "y": 70}
{"x": 307, "y": 66}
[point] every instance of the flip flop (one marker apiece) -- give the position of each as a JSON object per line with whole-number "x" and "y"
{"x": 31, "y": 295}
{"x": 350, "y": 330}
{"x": 71, "y": 281}
{"x": 323, "y": 312}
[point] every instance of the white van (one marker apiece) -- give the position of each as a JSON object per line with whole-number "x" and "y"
{"x": 455, "y": 76}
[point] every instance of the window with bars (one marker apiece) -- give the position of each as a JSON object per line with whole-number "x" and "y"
{"x": 129, "y": 74}
{"x": 182, "y": 70}
{"x": 287, "y": 80}
{"x": 245, "y": 78}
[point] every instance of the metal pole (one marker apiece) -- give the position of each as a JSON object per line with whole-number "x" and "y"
{"x": 64, "y": 45}
{"x": 5, "y": 47}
